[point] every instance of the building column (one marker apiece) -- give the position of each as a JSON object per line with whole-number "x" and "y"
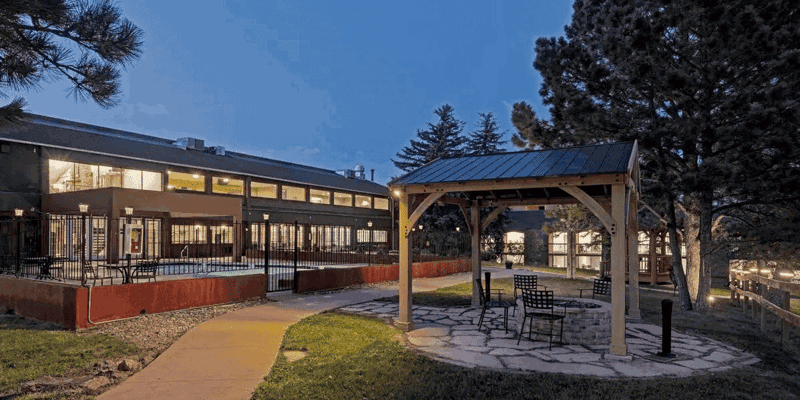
{"x": 632, "y": 230}
{"x": 475, "y": 232}
{"x": 618, "y": 250}
{"x": 405, "y": 321}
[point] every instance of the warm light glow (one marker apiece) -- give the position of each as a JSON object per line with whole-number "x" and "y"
{"x": 369, "y": 224}
{"x": 265, "y": 216}
{"x": 83, "y": 208}
{"x": 420, "y": 227}
{"x": 458, "y": 229}
{"x": 753, "y": 269}
{"x": 195, "y": 176}
{"x": 225, "y": 180}
{"x": 170, "y": 187}
{"x": 787, "y": 274}
{"x": 17, "y": 212}
{"x": 711, "y": 299}
{"x": 764, "y": 271}
{"x": 397, "y": 193}
{"x": 128, "y": 210}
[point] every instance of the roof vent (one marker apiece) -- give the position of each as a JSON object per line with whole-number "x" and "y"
{"x": 190, "y": 143}
{"x": 218, "y": 150}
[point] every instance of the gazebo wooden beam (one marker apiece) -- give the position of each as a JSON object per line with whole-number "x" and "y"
{"x": 593, "y": 205}
{"x": 523, "y": 183}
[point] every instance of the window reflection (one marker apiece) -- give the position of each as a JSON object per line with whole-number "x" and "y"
{"x": 66, "y": 176}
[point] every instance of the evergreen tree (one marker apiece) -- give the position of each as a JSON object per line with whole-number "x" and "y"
{"x": 442, "y": 139}
{"x": 707, "y": 88}
{"x": 486, "y": 138}
{"x": 84, "y": 42}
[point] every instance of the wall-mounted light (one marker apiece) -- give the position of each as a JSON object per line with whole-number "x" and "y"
{"x": 397, "y": 193}
{"x": 458, "y": 229}
{"x": 265, "y": 216}
{"x": 369, "y": 224}
{"x": 420, "y": 227}
{"x": 128, "y": 210}
{"x": 84, "y": 208}
{"x": 18, "y": 212}
{"x": 195, "y": 176}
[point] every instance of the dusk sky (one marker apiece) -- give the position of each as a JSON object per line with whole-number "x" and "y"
{"x": 327, "y": 84}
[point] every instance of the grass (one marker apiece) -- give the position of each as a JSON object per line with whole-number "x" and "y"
{"x": 354, "y": 357}
{"x": 26, "y": 354}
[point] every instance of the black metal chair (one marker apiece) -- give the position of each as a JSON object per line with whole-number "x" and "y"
{"x": 600, "y": 286}
{"x": 538, "y": 304}
{"x": 146, "y": 270}
{"x": 530, "y": 282}
{"x": 499, "y": 303}
{"x": 93, "y": 272}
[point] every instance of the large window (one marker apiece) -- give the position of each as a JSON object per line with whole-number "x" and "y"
{"x": 378, "y": 236}
{"x": 265, "y": 190}
{"x": 363, "y": 201}
{"x": 381, "y": 203}
{"x": 188, "y": 234}
{"x": 342, "y": 199}
{"x": 293, "y": 193}
{"x": 320, "y": 196}
{"x": 227, "y": 186}
{"x": 222, "y": 234}
{"x": 324, "y": 237}
{"x": 68, "y": 176}
{"x": 181, "y": 181}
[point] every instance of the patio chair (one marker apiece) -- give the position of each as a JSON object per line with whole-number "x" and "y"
{"x": 599, "y": 287}
{"x": 146, "y": 270}
{"x": 499, "y": 303}
{"x": 92, "y": 272}
{"x": 530, "y": 282}
{"x": 538, "y": 304}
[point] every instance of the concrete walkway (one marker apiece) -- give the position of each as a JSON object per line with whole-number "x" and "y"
{"x": 228, "y": 356}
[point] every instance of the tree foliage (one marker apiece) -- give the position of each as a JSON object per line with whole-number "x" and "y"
{"x": 441, "y": 139}
{"x": 707, "y": 88}
{"x": 86, "y": 43}
{"x": 485, "y": 139}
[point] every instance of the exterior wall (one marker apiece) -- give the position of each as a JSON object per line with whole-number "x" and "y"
{"x": 308, "y": 281}
{"x": 20, "y": 167}
{"x": 67, "y": 305}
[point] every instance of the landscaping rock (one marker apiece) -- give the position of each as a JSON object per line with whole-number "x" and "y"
{"x": 129, "y": 364}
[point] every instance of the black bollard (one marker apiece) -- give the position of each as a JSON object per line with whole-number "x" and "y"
{"x": 666, "y": 328}
{"x": 488, "y": 278}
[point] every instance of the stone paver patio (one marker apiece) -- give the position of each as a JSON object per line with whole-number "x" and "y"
{"x": 451, "y": 335}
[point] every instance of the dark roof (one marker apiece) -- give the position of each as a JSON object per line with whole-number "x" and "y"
{"x": 57, "y": 133}
{"x": 607, "y": 158}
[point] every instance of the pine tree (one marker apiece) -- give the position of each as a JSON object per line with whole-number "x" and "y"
{"x": 83, "y": 42}
{"x": 486, "y": 138}
{"x": 442, "y": 139}
{"x": 706, "y": 88}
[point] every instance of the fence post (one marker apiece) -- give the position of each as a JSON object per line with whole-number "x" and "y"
{"x": 296, "y": 249}
{"x": 19, "y": 246}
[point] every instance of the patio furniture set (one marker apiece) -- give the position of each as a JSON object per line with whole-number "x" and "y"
{"x": 537, "y": 305}
{"x": 146, "y": 269}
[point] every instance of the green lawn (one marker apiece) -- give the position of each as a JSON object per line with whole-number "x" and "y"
{"x": 354, "y": 357}
{"x": 27, "y": 354}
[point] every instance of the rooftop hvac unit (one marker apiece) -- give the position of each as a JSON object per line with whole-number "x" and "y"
{"x": 218, "y": 150}
{"x": 190, "y": 143}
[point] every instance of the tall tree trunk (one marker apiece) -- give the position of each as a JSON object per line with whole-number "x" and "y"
{"x": 571, "y": 255}
{"x": 675, "y": 249}
{"x": 706, "y": 247}
{"x": 691, "y": 231}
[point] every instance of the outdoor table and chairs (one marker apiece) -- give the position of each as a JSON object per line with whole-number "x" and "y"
{"x": 45, "y": 265}
{"x": 530, "y": 282}
{"x": 146, "y": 269}
{"x": 539, "y": 304}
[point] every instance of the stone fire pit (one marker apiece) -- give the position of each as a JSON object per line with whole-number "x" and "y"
{"x": 588, "y": 321}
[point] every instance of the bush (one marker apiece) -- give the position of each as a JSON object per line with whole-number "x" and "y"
{"x": 488, "y": 256}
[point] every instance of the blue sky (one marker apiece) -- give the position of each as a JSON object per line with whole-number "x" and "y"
{"x": 322, "y": 83}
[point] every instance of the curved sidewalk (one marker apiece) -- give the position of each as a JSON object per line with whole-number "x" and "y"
{"x": 228, "y": 356}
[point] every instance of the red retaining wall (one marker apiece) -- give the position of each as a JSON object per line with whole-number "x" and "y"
{"x": 67, "y": 305}
{"x": 309, "y": 281}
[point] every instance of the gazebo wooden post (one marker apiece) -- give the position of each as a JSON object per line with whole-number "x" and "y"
{"x": 633, "y": 256}
{"x": 475, "y": 232}
{"x": 652, "y": 255}
{"x": 405, "y": 322}
{"x": 618, "y": 250}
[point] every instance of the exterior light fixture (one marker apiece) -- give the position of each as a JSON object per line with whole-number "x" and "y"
{"x": 458, "y": 229}
{"x": 195, "y": 176}
{"x": 84, "y": 208}
{"x": 265, "y": 216}
{"x": 225, "y": 180}
{"x": 369, "y": 224}
{"x": 420, "y": 227}
{"x": 786, "y": 274}
{"x": 18, "y": 212}
{"x": 397, "y": 193}
{"x": 128, "y": 210}
{"x": 170, "y": 187}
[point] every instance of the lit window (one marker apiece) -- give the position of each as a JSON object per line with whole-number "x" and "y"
{"x": 363, "y": 201}
{"x": 293, "y": 193}
{"x": 222, "y": 234}
{"x": 381, "y": 203}
{"x": 320, "y": 196}
{"x": 62, "y": 176}
{"x": 188, "y": 234}
{"x": 265, "y": 190}
{"x": 343, "y": 199}
{"x": 68, "y": 177}
{"x": 181, "y": 181}
{"x": 227, "y": 186}
{"x": 151, "y": 181}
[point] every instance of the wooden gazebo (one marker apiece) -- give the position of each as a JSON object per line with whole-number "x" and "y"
{"x": 605, "y": 178}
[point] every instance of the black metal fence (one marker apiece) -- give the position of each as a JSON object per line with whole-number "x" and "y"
{"x": 84, "y": 247}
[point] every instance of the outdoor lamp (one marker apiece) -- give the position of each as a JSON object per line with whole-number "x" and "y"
{"x": 265, "y": 216}
{"x": 397, "y": 193}
{"x": 84, "y": 208}
{"x": 420, "y": 227}
{"x": 369, "y": 224}
{"x": 17, "y": 212}
{"x": 128, "y": 210}
{"x": 458, "y": 229}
